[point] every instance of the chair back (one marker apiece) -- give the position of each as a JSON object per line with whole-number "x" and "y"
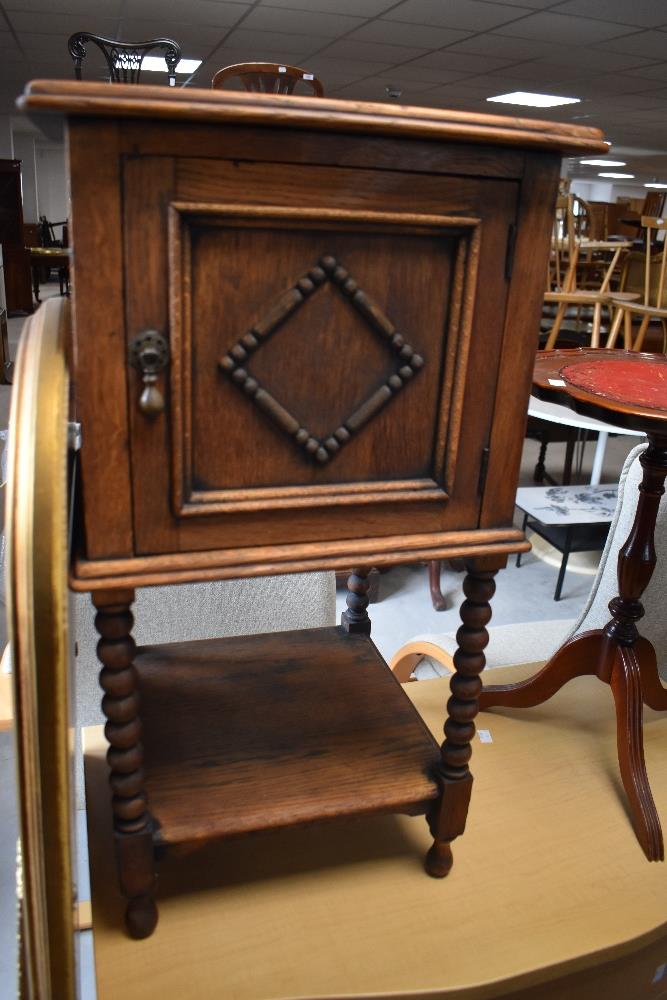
{"x": 268, "y": 78}
{"x": 124, "y": 59}
{"x": 583, "y": 219}
{"x": 654, "y": 264}
{"x": 563, "y": 259}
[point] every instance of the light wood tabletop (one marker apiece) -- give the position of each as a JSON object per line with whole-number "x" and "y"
{"x": 551, "y": 890}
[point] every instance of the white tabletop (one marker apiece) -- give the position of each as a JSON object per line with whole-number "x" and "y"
{"x": 568, "y": 504}
{"x": 557, "y": 414}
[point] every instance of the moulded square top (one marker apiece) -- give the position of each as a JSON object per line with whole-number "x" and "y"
{"x": 76, "y": 98}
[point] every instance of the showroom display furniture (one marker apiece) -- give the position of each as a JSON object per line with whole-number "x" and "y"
{"x": 15, "y": 257}
{"x": 294, "y": 369}
{"x": 629, "y": 388}
{"x": 523, "y": 642}
{"x": 652, "y": 307}
{"x": 268, "y": 78}
{"x": 570, "y": 518}
{"x": 124, "y": 59}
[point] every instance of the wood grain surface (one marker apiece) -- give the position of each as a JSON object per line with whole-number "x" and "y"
{"x": 194, "y": 104}
{"x": 273, "y": 730}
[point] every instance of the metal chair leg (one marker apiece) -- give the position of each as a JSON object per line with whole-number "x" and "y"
{"x": 563, "y": 565}
{"x": 523, "y": 528}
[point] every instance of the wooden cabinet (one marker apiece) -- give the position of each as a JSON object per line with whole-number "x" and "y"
{"x": 16, "y": 259}
{"x": 303, "y": 338}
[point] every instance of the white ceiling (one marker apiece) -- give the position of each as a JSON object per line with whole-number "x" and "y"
{"x": 438, "y": 53}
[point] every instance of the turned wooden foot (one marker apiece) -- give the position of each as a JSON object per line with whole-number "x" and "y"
{"x": 447, "y": 819}
{"x": 141, "y": 917}
{"x": 437, "y": 598}
{"x": 439, "y": 859}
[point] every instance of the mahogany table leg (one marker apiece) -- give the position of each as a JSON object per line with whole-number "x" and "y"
{"x": 618, "y": 655}
{"x": 448, "y": 818}
{"x": 576, "y": 658}
{"x": 437, "y": 598}
{"x": 131, "y": 819}
{"x": 653, "y": 692}
{"x": 627, "y": 688}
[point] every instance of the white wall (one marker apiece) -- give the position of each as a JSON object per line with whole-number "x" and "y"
{"x": 609, "y": 191}
{"x": 52, "y": 184}
{"x": 24, "y": 150}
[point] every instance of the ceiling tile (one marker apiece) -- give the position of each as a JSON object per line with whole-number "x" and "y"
{"x": 467, "y": 15}
{"x": 301, "y": 22}
{"x": 616, "y": 83}
{"x": 61, "y": 24}
{"x": 642, "y": 13}
{"x": 533, "y": 4}
{"x": 338, "y": 69}
{"x": 195, "y": 40}
{"x": 369, "y": 90}
{"x": 531, "y": 48}
{"x": 657, "y": 71}
{"x": 346, "y": 48}
{"x": 111, "y": 8}
{"x": 426, "y": 74}
{"x": 408, "y": 87}
{"x": 447, "y": 59}
{"x": 492, "y": 85}
{"x": 191, "y": 11}
{"x": 425, "y": 36}
{"x": 33, "y": 44}
{"x": 360, "y": 8}
{"x": 561, "y": 29}
{"x": 650, "y": 44}
{"x": 490, "y": 44}
{"x": 251, "y": 41}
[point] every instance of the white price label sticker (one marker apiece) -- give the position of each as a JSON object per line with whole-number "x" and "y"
{"x": 484, "y": 736}
{"x": 556, "y": 381}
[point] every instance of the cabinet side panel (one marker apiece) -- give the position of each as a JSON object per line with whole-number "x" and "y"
{"x": 99, "y": 337}
{"x": 520, "y": 337}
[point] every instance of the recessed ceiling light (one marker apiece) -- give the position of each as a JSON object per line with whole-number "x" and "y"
{"x": 617, "y": 176}
{"x": 603, "y": 163}
{"x": 655, "y": 184}
{"x": 156, "y": 64}
{"x": 533, "y": 100}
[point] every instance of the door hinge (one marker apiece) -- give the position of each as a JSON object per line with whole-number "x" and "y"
{"x": 509, "y": 252}
{"x": 483, "y": 469}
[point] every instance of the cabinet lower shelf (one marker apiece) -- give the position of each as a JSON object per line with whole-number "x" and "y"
{"x": 274, "y": 730}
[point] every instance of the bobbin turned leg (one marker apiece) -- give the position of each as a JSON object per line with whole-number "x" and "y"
{"x": 356, "y": 619}
{"x": 131, "y": 819}
{"x": 448, "y": 818}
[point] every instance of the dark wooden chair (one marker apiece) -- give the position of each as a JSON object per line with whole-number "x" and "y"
{"x": 124, "y": 59}
{"x": 267, "y": 78}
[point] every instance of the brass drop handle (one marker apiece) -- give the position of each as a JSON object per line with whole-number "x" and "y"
{"x": 149, "y": 354}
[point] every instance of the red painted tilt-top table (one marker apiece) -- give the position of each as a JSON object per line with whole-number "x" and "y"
{"x": 630, "y": 390}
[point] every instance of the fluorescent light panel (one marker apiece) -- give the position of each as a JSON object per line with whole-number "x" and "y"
{"x": 533, "y": 100}
{"x": 616, "y": 176}
{"x": 603, "y": 163}
{"x": 655, "y": 184}
{"x": 156, "y": 64}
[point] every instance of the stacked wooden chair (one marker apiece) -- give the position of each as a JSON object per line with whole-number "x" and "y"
{"x": 644, "y": 273}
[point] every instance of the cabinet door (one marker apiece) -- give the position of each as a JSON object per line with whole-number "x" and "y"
{"x": 334, "y": 337}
